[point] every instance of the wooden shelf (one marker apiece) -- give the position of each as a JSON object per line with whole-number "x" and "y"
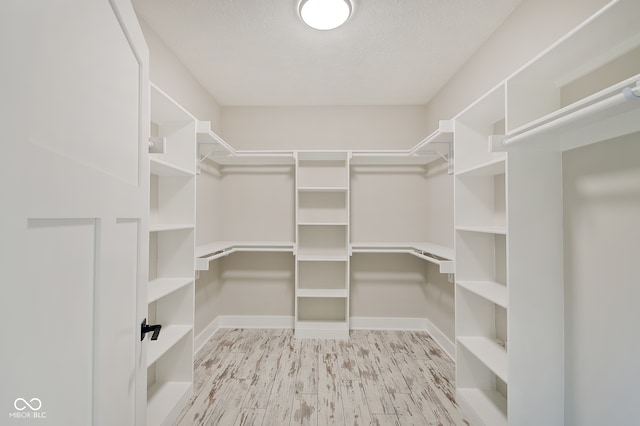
{"x": 161, "y": 287}
{"x": 490, "y": 168}
{"x": 498, "y": 230}
{"x": 207, "y": 253}
{"x": 303, "y": 292}
{"x": 489, "y": 405}
{"x": 322, "y": 189}
{"x": 169, "y": 336}
{"x": 433, "y": 147}
{"x": 160, "y": 167}
{"x": 492, "y": 291}
{"x": 489, "y": 352}
{"x": 169, "y": 227}
{"x": 322, "y": 258}
{"x": 163, "y": 398}
{"x": 436, "y": 254}
{"x": 323, "y": 223}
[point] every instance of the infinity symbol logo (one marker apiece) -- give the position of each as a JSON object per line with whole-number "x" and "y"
{"x": 21, "y": 404}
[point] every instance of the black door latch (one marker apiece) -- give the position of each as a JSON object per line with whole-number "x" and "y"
{"x": 144, "y": 329}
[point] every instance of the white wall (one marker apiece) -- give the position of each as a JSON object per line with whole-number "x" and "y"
{"x": 531, "y": 28}
{"x": 339, "y": 127}
{"x": 602, "y": 284}
{"x": 170, "y": 75}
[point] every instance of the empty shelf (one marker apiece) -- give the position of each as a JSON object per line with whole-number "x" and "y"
{"x": 169, "y": 227}
{"x": 209, "y": 252}
{"x": 163, "y": 168}
{"x": 320, "y": 292}
{"x": 489, "y": 352}
{"x": 169, "y": 336}
{"x": 161, "y": 287}
{"x": 489, "y": 405}
{"x": 500, "y": 230}
{"x": 439, "y": 255}
{"x": 492, "y": 291}
{"x": 163, "y": 397}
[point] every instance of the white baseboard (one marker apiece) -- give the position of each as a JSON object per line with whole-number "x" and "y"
{"x": 376, "y": 323}
{"x": 442, "y": 340}
{"x": 355, "y": 323}
{"x": 206, "y": 334}
{"x": 255, "y": 321}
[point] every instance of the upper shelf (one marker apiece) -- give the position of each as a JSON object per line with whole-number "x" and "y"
{"x": 439, "y": 255}
{"x": 582, "y": 89}
{"x": 212, "y": 146}
{"x": 209, "y": 252}
{"x": 607, "y": 114}
{"x": 435, "y": 146}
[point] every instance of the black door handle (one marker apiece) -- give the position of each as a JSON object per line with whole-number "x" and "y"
{"x": 144, "y": 329}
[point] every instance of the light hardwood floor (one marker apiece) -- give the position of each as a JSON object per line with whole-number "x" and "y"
{"x": 269, "y": 378}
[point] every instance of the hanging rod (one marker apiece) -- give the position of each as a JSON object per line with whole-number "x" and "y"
{"x": 628, "y": 94}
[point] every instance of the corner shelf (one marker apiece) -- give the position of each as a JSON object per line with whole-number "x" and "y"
{"x": 438, "y": 145}
{"x": 207, "y": 253}
{"x": 436, "y": 254}
{"x": 212, "y": 146}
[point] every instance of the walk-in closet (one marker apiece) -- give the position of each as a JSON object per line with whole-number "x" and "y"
{"x": 223, "y": 213}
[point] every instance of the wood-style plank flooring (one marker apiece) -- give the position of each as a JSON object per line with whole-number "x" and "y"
{"x": 269, "y": 378}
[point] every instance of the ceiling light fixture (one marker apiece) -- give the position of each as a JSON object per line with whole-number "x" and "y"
{"x": 324, "y": 14}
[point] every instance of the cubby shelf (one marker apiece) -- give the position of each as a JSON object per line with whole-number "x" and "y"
{"x": 322, "y": 293}
{"x": 489, "y": 405}
{"x": 163, "y": 398}
{"x": 492, "y": 291}
{"x": 489, "y": 352}
{"x": 170, "y": 335}
{"x": 162, "y": 168}
{"x": 161, "y": 287}
{"x": 490, "y": 168}
{"x": 498, "y": 230}
{"x": 163, "y": 227}
{"x": 322, "y": 189}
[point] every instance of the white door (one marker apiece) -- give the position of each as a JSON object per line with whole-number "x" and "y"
{"x": 74, "y": 203}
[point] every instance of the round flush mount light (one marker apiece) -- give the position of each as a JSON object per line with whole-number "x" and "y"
{"x": 324, "y": 14}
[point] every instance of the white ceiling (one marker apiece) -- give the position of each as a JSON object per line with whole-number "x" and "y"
{"x": 258, "y": 52}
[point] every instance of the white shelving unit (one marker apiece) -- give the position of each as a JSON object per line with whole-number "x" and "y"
{"x": 322, "y": 249}
{"x": 481, "y": 236}
{"x": 509, "y": 212}
{"x": 170, "y": 290}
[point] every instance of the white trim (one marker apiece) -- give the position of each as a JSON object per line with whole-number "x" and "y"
{"x": 206, "y": 334}
{"x": 468, "y": 410}
{"x": 441, "y": 339}
{"x": 255, "y": 321}
{"x": 355, "y": 323}
{"x": 406, "y": 324}
{"x": 378, "y": 323}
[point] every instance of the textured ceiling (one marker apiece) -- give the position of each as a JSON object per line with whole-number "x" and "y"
{"x": 258, "y": 52}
